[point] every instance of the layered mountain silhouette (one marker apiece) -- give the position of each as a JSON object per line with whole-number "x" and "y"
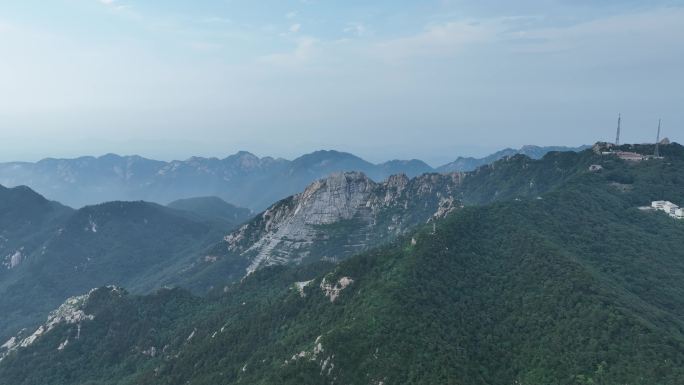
{"x": 552, "y": 275}
{"x": 242, "y": 179}
{"x": 49, "y": 252}
{"x": 533, "y": 152}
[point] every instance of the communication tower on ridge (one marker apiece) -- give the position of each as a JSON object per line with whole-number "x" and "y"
{"x": 617, "y": 137}
{"x": 657, "y": 144}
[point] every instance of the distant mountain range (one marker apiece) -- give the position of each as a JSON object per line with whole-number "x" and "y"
{"x": 551, "y": 274}
{"x": 533, "y": 152}
{"x": 49, "y": 252}
{"x": 242, "y": 179}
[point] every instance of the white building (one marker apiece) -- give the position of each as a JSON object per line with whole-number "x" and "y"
{"x": 630, "y": 156}
{"x": 670, "y": 208}
{"x": 679, "y": 213}
{"x": 666, "y": 206}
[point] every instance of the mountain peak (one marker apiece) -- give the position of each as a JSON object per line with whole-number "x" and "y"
{"x": 245, "y": 154}
{"x": 532, "y": 151}
{"x": 13, "y": 195}
{"x": 397, "y": 180}
{"x": 330, "y": 156}
{"x": 245, "y": 161}
{"x": 334, "y": 197}
{"x": 243, "y": 178}
{"x": 337, "y": 216}
{"x": 330, "y": 153}
{"x": 347, "y": 176}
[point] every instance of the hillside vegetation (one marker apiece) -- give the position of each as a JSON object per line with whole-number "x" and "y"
{"x": 50, "y": 252}
{"x": 213, "y": 209}
{"x": 569, "y": 285}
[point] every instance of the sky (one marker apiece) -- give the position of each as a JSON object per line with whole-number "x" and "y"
{"x": 382, "y": 79}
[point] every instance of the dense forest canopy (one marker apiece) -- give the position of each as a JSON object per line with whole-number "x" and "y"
{"x": 556, "y": 277}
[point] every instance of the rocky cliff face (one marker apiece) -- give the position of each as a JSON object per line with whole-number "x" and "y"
{"x": 69, "y": 313}
{"x": 339, "y": 216}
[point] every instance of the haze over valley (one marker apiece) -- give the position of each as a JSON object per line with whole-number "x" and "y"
{"x": 306, "y": 192}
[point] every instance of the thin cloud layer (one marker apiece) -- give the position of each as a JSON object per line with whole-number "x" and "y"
{"x": 399, "y": 79}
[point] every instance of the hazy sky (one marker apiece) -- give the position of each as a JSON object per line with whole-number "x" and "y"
{"x": 382, "y": 79}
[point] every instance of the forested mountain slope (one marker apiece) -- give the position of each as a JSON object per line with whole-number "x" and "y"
{"x": 520, "y": 177}
{"x": 332, "y": 219}
{"x": 50, "y": 252}
{"x": 25, "y": 219}
{"x": 467, "y": 164}
{"x": 213, "y": 209}
{"x": 576, "y": 286}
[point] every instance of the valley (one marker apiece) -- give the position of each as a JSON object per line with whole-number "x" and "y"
{"x": 543, "y": 265}
{"x": 308, "y": 192}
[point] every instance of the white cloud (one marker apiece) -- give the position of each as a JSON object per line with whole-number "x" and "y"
{"x": 652, "y": 29}
{"x": 524, "y": 68}
{"x": 294, "y": 28}
{"x": 357, "y": 29}
{"x": 302, "y": 53}
{"x": 442, "y": 39}
{"x": 117, "y": 6}
{"x": 520, "y": 34}
{"x": 291, "y": 15}
{"x": 205, "y": 46}
{"x": 217, "y": 20}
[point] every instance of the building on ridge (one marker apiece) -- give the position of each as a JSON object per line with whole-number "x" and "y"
{"x": 670, "y": 208}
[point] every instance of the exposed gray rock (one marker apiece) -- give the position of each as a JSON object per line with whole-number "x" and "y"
{"x": 70, "y": 312}
{"x": 341, "y": 215}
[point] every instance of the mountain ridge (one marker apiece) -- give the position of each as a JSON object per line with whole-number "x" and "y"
{"x": 243, "y": 179}
{"x": 333, "y": 218}
{"x": 214, "y": 209}
{"x": 532, "y": 151}
{"x": 570, "y": 285}
{"x": 144, "y": 245}
{"x": 49, "y": 252}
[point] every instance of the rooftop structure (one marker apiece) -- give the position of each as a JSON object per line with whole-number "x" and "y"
{"x": 631, "y": 156}
{"x": 670, "y": 208}
{"x": 605, "y": 148}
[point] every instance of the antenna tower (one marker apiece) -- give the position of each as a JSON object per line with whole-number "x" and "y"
{"x": 617, "y": 137}
{"x": 657, "y": 144}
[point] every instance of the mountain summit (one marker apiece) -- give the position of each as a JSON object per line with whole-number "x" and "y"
{"x": 49, "y": 252}
{"x": 567, "y": 280}
{"x": 332, "y": 219}
{"x": 243, "y": 179}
